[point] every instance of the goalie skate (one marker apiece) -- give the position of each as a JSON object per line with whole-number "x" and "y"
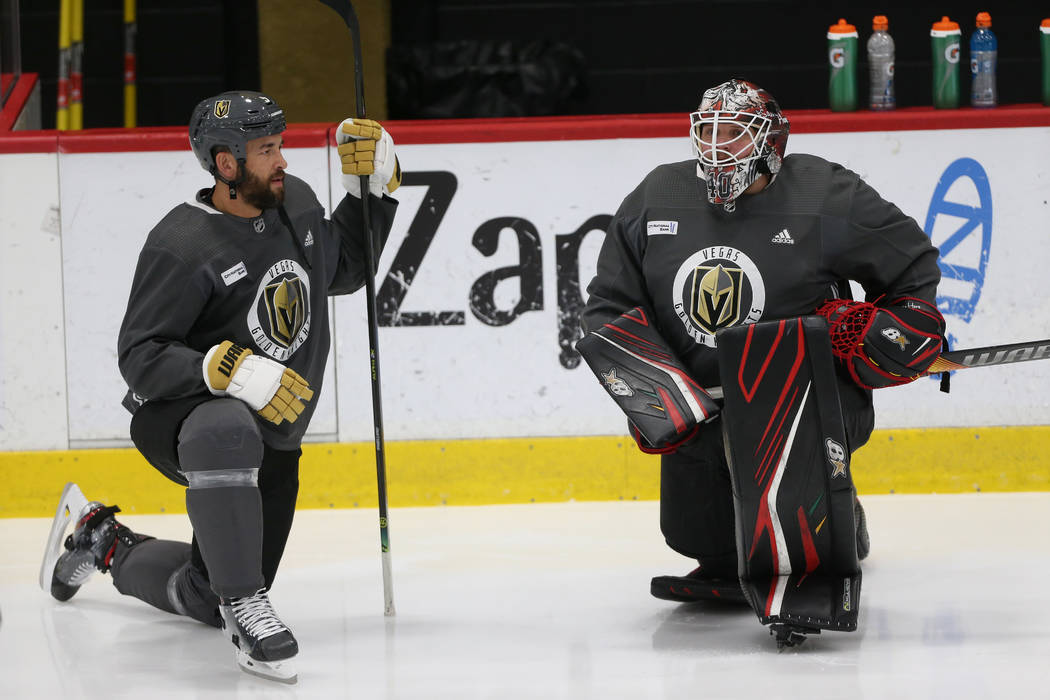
{"x": 264, "y": 646}
{"x": 70, "y": 505}
{"x": 694, "y": 587}
{"x": 788, "y": 635}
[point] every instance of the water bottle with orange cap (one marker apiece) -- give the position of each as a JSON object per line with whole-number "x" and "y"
{"x": 842, "y": 58}
{"x": 1044, "y": 41}
{"x": 944, "y": 43}
{"x": 984, "y": 52}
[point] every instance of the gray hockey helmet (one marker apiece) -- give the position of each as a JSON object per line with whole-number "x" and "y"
{"x": 231, "y": 120}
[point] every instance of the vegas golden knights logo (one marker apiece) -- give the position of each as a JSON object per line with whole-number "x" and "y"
{"x": 286, "y": 305}
{"x": 222, "y": 108}
{"x": 715, "y": 296}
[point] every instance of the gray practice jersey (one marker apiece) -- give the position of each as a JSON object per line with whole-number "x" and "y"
{"x": 779, "y": 255}
{"x": 204, "y": 277}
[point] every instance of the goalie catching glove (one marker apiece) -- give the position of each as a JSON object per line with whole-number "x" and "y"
{"x": 273, "y": 390}
{"x": 365, "y": 148}
{"x": 885, "y": 345}
{"x": 649, "y": 384}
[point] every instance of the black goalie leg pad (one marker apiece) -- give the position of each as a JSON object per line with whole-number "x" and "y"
{"x": 792, "y": 487}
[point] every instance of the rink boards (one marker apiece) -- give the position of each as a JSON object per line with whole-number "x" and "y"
{"x": 480, "y": 286}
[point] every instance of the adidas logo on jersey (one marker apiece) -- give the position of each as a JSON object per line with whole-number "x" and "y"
{"x": 784, "y": 237}
{"x": 309, "y": 238}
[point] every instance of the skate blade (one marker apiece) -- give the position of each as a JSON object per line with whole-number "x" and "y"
{"x": 70, "y": 504}
{"x": 282, "y": 671}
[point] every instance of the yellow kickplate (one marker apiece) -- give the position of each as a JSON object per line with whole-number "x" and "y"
{"x": 524, "y": 470}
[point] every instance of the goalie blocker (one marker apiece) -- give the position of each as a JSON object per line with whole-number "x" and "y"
{"x": 663, "y": 404}
{"x": 790, "y": 469}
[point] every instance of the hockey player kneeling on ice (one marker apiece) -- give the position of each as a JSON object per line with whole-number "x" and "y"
{"x": 729, "y": 273}
{"x": 223, "y": 346}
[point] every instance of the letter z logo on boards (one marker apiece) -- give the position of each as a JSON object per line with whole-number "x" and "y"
{"x": 661, "y": 228}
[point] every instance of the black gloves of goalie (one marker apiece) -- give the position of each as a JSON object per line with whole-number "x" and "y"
{"x": 885, "y": 345}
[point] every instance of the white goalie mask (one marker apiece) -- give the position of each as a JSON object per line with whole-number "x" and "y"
{"x": 738, "y": 133}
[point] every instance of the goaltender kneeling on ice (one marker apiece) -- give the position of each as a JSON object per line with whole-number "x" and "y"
{"x": 221, "y": 391}
{"x": 720, "y": 321}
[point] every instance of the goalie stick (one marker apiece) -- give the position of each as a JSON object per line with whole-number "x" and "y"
{"x": 968, "y": 358}
{"x": 990, "y": 356}
{"x": 345, "y": 9}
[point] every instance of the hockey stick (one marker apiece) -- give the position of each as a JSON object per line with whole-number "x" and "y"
{"x": 968, "y": 358}
{"x": 991, "y": 355}
{"x": 345, "y": 9}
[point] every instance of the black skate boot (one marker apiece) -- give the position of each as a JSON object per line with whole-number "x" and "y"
{"x": 88, "y": 548}
{"x": 265, "y": 646}
{"x": 696, "y": 586}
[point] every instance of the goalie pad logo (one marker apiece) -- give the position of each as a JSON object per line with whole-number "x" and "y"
{"x": 716, "y": 288}
{"x": 837, "y": 457}
{"x": 279, "y": 320}
{"x": 894, "y": 335}
{"x": 616, "y": 385}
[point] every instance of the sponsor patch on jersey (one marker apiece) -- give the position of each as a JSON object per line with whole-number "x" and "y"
{"x": 309, "y": 239}
{"x": 717, "y": 287}
{"x": 235, "y": 273}
{"x": 783, "y": 237}
{"x": 661, "y": 228}
{"x": 279, "y": 320}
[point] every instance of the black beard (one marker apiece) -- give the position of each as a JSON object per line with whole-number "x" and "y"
{"x": 255, "y": 191}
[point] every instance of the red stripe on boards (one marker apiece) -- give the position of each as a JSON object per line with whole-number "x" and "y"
{"x": 589, "y": 127}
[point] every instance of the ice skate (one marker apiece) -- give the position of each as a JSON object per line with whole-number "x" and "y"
{"x": 790, "y": 635}
{"x": 265, "y": 646}
{"x": 87, "y": 548}
{"x": 696, "y": 586}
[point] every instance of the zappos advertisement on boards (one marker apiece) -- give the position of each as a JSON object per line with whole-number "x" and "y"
{"x": 482, "y": 282}
{"x": 489, "y": 270}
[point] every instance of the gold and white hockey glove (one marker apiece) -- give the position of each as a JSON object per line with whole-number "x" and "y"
{"x": 273, "y": 390}
{"x": 365, "y": 148}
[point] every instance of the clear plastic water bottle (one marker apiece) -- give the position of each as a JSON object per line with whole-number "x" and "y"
{"x": 880, "y": 65}
{"x": 984, "y": 51}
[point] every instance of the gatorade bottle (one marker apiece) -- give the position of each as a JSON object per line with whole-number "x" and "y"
{"x": 880, "y": 65}
{"x": 842, "y": 57}
{"x": 944, "y": 43}
{"x": 984, "y": 50}
{"x": 1044, "y": 40}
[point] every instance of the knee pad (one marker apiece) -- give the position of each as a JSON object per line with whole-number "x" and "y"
{"x": 220, "y": 445}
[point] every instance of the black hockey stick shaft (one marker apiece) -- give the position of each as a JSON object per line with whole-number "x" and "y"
{"x": 990, "y": 356}
{"x": 345, "y": 9}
